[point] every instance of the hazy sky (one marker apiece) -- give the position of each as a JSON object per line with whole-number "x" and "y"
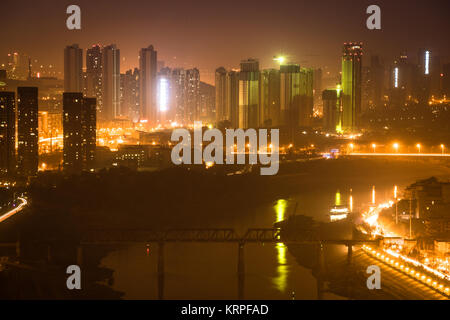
{"x": 209, "y": 34}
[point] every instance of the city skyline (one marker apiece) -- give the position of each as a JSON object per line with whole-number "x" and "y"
{"x": 288, "y": 150}
{"x": 306, "y": 41}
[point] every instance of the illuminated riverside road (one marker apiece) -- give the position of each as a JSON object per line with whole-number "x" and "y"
{"x": 397, "y": 283}
{"x": 405, "y": 269}
{"x": 12, "y": 212}
{"x": 417, "y": 155}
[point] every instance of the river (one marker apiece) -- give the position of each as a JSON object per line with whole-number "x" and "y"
{"x": 209, "y": 271}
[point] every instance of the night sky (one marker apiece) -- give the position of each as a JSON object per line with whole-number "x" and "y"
{"x": 209, "y": 34}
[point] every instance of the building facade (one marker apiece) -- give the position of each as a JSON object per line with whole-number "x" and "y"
{"x": 7, "y": 133}
{"x": 28, "y": 131}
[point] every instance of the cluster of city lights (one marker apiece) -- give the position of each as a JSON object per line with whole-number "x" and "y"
{"x": 393, "y": 256}
{"x": 394, "y": 261}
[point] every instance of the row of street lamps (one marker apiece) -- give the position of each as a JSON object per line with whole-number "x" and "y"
{"x": 396, "y": 147}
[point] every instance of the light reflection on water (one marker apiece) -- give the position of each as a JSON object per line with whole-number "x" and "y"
{"x": 200, "y": 271}
{"x": 280, "y": 281}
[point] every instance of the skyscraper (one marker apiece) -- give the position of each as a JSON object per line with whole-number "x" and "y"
{"x": 79, "y": 125}
{"x": 27, "y": 128}
{"x": 306, "y": 109}
{"x": 110, "y": 83}
{"x": 148, "y": 84}
{"x": 130, "y": 94}
{"x": 290, "y": 95}
{"x": 89, "y": 132}
{"x": 222, "y": 113}
{"x": 207, "y": 102}
{"x": 351, "y": 86}
{"x": 270, "y": 98}
{"x": 332, "y": 104}
{"x": 249, "y": 94}
{"x": 192, "y": 96}
{"x": 7, "y": 132}
{"x": 73, "y": 65}
{"x": 94, "y": 70}
{"x": 179, "y": 93}
{"x": 423, "y": 78}
{"x": 233, "y": 97}
{"x": 165, "y": 110}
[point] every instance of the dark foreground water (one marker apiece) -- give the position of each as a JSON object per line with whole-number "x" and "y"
{"x": 209, "y": 271}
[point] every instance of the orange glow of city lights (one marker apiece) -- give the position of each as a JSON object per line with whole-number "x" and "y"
{"x": 396, "y": 146}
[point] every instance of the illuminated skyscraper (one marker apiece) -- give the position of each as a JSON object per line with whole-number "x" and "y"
{"x": 332, "y": 104}
{"x": 270, "y": 98}
{"x": 148, "y": 84}
{"x": 179, "y": 93}
{"x": 130, "y": 94}
{"x": 290, "y": 95}
{"x": 166, "y": 110}
{"x": 110, "y": 83}
{"x": 7, "y": 132}
{"x": 249, "y": 94}
{"x": 89, "y": 132}
{"x": 27, "y": 129}
{"x": 73, "y": 65}
{"x": 233, "y": 97}
{"x": 94, "y": 68}
{"x": 306, "y": 97}
{"x": 192, "y": 96}
{"x": 207, "y": 103}
{"x": 351, "y": 86}
{"x": 79, "y": 125}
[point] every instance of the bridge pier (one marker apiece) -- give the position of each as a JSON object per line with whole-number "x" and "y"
{"x": 349, "y": 266}
{"x": 241, "y": 271}
{"x": 161, "y": 270}
{"x": 349, "y": 254}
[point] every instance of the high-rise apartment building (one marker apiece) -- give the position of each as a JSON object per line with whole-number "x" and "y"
{"x": 130, "y": 94}
{"x": 290, "y": 95}
{"x": 222, "y": 112}
{"x": 233, "y": 97}
{"x": 7, "y": 132}
{"x": 94, "y": 72}
{"x": 27, "y": 129}
{"x": 269, "y": 98}
{"x": 110, "y": 83}
{"x": 79, "y": 125}
{"x": 148, "y": 84}
{"x": 73, "y": 68}
{"x": 249, "y": 94}
{"x": 332, "y": 105}
{"x": 351, "y": 86}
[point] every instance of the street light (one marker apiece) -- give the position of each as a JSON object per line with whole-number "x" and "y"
{"x": 351, "y": 145}
{"x": 396, "y": 146}
{"x": 418, "y": 146}
{"x": 374, "y": 146}
{"x": 442, "y": 148}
